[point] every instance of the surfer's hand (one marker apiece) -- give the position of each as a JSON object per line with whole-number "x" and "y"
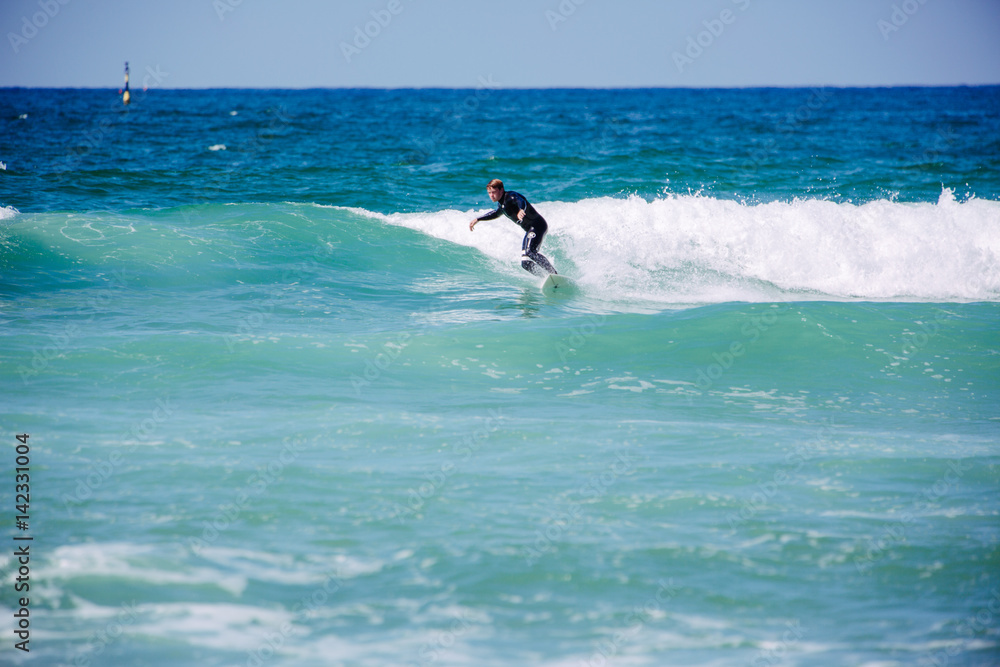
{"x": 472, "y": 225}
{"x": 520, "y": 214}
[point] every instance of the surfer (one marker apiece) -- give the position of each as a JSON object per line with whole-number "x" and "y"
{"x": 517, "y": 208}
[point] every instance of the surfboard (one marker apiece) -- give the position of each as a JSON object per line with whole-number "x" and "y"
{"x": 553, "y": 283}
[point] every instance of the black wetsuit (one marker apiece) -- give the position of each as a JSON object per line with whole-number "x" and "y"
{"x": 534, "y": 227}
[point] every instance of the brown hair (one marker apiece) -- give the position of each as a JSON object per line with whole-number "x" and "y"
{"x": 495, "y": 183}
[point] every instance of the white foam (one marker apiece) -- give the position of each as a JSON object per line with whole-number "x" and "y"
{"x": 8, "y": 212}
{"x": 142, "y": 563}
{"x": 695, "y": 249}
{"x": 217, "y": 147}
{"x": 283, "y": 569}
{"x": 219, "y": 626}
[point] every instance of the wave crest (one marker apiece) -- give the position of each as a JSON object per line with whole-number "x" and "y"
{"x": 691, "y": 248}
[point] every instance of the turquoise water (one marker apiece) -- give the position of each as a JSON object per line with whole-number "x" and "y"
{"x": 286, "y": 409}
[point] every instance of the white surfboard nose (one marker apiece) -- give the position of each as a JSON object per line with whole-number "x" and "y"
{"x": 554, "y": 282}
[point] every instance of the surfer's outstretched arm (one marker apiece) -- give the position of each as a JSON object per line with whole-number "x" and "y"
{"x": 489, "y": 216}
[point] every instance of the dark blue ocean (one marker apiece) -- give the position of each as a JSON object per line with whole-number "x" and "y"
{"x": 284, "y": 408}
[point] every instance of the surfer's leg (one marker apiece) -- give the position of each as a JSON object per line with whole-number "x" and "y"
{"x": 526, "y": 263}
{"x": 529, "y": 265}
{"x": 532, "y": 260}
{"x": 543, "y": 261}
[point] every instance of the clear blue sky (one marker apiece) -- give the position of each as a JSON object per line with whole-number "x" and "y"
{"x": 514, "y": 43}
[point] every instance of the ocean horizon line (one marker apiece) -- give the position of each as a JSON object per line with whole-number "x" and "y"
{"x": 532, "y": 88}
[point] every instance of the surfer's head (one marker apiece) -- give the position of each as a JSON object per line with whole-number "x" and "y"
{"x": 495, "y": 188}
